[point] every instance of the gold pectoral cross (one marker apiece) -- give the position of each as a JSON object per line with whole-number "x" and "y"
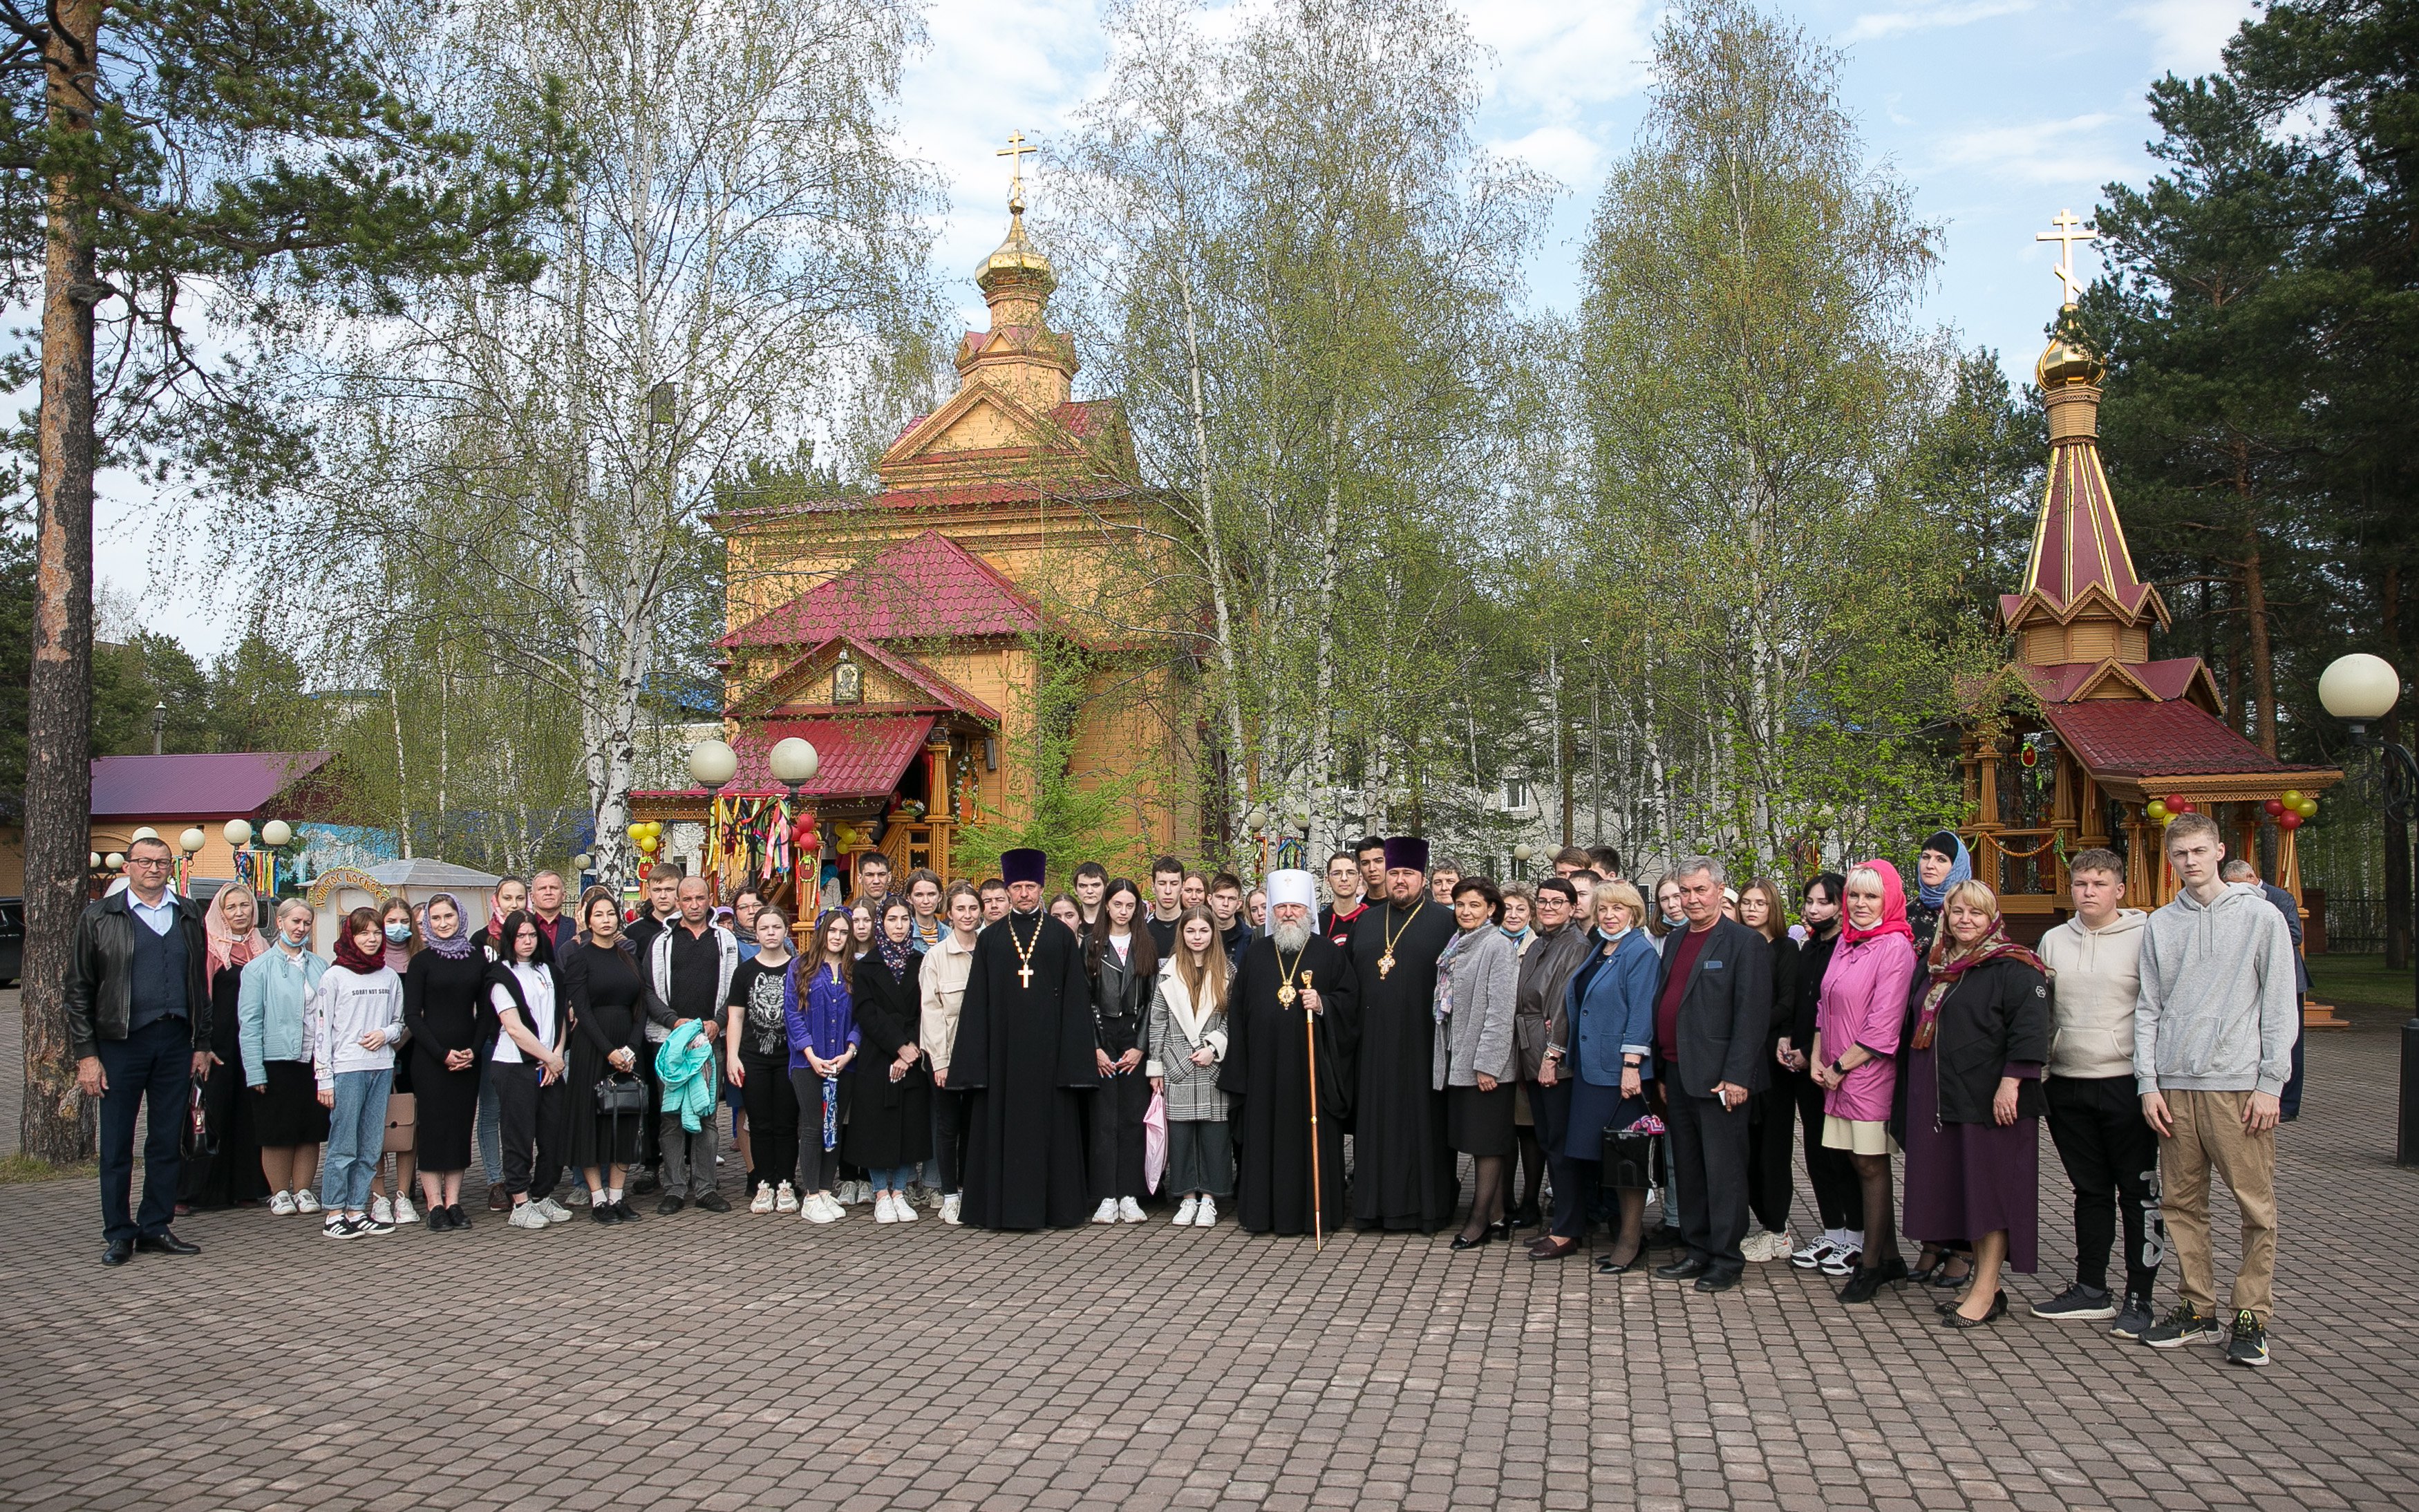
{"x": 1385, "y": 964}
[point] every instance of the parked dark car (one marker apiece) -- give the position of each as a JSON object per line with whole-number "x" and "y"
{"x": 13, "y": 939}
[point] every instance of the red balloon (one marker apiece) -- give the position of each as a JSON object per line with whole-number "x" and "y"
{"x": 2274, "y": 807}
{"x": 2289, "y": 820}
{"x": 2176, "y": 801}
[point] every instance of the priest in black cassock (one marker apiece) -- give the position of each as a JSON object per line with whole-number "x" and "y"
{"x": 1024, "y": 1057}
{"x": 1268, "y": 1064}
{"x": 1403, "y": 1174}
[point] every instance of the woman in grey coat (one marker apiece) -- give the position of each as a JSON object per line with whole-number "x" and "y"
{"x": 1187, "y": 1041}
{"x": 1475, "y": 1062}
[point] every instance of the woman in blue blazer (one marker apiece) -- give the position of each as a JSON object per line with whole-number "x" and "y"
{"x": 1610, "y": 1007}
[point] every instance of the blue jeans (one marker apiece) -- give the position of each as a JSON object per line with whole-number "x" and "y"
{"x": 356, "y": 1132}
{"x": 490, "y": 1132}
{"x": 893, "y": 1179}
{"x": 153, "y": 1066}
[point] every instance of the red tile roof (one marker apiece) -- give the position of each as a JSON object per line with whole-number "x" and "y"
{"x": 2132, "y": 737}
{"x": 1085, "y": 417}
{"x": 2077, "y": 541}
{"x": 227, "y": 785}
{"x": 944, "y": 693}
{"x": 857, "y": 758}
{"x": 929, "y": 586}
{"x": 2169, "y": 679}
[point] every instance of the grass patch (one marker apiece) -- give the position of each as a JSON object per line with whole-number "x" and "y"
{"x": 15, "y": 1168}
{"x": 2359, "y": 979}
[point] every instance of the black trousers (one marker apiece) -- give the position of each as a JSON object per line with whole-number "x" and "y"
{"x": 1117, "y": 1109}
{"x": 2112, "y": 1156}
{"x": 529, "y": 1118}
{"x": 950, "y": 1136}
{"x": 151, "y": 1068}
{"x": 1771, "y": 1134}
{"x": 772, "y": 1106}
{"x": 1575, "y": 1181}
{"x": 1839, "y": 1195}
{"x": 1709, "y": 1148}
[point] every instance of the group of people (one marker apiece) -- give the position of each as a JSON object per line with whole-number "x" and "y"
{"x": 1020, "y": 1062}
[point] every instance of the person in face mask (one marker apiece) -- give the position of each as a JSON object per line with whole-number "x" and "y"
{"x": 1668, "y": 917}
{"x": 286, "y": 1116}
{"x": 400, "y": 925}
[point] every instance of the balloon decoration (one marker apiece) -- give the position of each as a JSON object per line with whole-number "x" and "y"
{"x": 2307, "y": 807}
{"x": 2290, "y": 819}
{"x": 647, "y": 835}
{"x": 2274, "y": 807}
{"x": 2156, "y": 809}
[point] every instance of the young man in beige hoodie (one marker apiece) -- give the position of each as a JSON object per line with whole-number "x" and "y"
{"x": 2095, "y": 1118}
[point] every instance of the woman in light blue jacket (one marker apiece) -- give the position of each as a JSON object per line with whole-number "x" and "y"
{"x": 1610, "y": 1006}
{"x": 277, "y": 988}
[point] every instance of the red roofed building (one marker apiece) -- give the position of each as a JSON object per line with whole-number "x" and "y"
{"x": 904, "y": 635}
{"x": 2116, "y": 730}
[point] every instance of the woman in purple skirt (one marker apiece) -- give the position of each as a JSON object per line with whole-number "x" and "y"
{"x": 1974, "y": 1099}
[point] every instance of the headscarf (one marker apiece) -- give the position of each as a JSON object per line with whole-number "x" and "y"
{"x": 1893, "y": 907}
{"x": 225, "y": 947}
{"x": 352, "y": 958}
{"x": 896, "y": 954}
{"x": 1961, "y": 867}
{"x": 1948, "y": 964}
{"x": 457, "y": 946}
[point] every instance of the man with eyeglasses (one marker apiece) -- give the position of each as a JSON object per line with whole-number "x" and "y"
{"x": 139, "y": 1022}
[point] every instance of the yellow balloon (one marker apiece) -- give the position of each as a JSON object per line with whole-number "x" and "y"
{"x": 2292, "y": 797}
{"x": 2156, "y": 808}
{"x": 637, "y": 832}
{"x": 654, "y": 829}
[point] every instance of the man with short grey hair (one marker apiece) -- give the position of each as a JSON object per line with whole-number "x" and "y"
{"x": 1711, "y": 1012}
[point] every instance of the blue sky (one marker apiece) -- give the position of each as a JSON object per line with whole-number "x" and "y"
{"x": 1999, "y": 112}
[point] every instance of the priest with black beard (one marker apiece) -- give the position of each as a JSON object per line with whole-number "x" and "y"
{"x": 1291, "y": 972}
{"x": 1403, "y": 1174}
{"x": 1025, "y": 1058}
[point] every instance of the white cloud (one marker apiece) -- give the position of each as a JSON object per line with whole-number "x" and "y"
{"x": 1555, "y": 58}
{"x": 1873, "y": 25}
{"x": 2078, "y": 153}
{"x": 2186, "y": 35}
{"x": 1568, "y": 155}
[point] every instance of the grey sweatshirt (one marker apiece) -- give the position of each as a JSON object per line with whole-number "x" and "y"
{"x": 2216, "y": 1012}
{"x": 2096, "y": 977}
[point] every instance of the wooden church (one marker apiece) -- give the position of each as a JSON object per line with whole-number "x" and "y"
{"x": 985, "y": 615}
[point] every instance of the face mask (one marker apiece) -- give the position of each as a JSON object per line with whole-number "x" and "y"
{"x": 298, "y": 933}
{"x": 399, "y": 934}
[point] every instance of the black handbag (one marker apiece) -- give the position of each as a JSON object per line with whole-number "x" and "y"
{"x": 620, "y": 1094}
{"x": 1630, "y": 1160}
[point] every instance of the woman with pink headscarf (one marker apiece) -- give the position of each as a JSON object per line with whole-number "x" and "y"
{"x": 1857, "y": 1020}
{"x": 230, "y": 1176}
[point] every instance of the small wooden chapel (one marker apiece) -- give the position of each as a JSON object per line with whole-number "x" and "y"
{"x": 2116, "y": 729}
{"x": 907, "y": 636}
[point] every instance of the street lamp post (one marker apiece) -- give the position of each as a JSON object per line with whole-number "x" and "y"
{"x": 2361, "y": 689}
{"x": 793, "y": 764}
{"x": 712, "y": 762}
{"x": 158, "y": 723}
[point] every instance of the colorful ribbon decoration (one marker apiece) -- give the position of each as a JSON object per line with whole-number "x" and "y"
{"x": 746, "y": 838}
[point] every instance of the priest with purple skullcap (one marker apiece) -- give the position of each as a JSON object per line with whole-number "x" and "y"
{"x": 1403, "y": 1174}
{"x": 1024, "y": 1057}
{"x": 1295, "y": 1001}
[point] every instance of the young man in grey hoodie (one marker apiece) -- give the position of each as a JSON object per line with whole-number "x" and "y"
{"x": 2095, "y": 1118}
{"x": 2212, "y": 1046}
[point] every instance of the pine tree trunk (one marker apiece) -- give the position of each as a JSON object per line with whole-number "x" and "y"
{"x": 2263, "y": 669}
{"x": 56, "y": 1123}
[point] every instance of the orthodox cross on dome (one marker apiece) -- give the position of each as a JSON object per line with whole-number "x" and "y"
{"x": 1014, "y": 153}
{"x": 2066, "y": 236}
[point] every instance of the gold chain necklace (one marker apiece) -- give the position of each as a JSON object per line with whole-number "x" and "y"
{"x": 1285, "y": 994}
{"x": 1386, "y": 961}
{"x": 1024, "y": 951}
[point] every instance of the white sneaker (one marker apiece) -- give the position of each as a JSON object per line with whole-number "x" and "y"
{"x": 551, "y": 1211}
{"x": 1813, "y": 1255}
{"x": 336, "y": 1226}
{"x": 1185, "y": 1211}
{"x": 379, "y": 1211}
{"x": 785, "y": 1198}
{"x": 1128, "y": 1211}
{"x": 950, "y": 1211}
{"x": 881, "y": 1214}
{"x": 282, "y": 1205}
{"x": 1208, "y": 1216}
{"x": 1106, "y": 1213}
{"x": 405, "y": 1213}
{"x": 525, "y": 1215}
{"x": 822, "y": 1208}
{"x": 764, "y": 1202}
{"x": 901, "y": 1209}
{"x": 306, "y": 1200}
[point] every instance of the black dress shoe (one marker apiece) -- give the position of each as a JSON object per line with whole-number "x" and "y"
{"x": 119, "y": 1252}
{"x": 1999, "y": 1309}
{"x": 668, "y": 1206}
{"x": 714, "y": 1202}
{"x": 166, "y": 1242}
{"x": 456, "y": 1217}
{"x": 1717, "y": 1280}
{"x": 1469, "y": 1241}
{"x": 1500, "y": 1228}
{"x": 1684, "y": 1268}
{"x": 1552, "y": 1248}
{"x": 622, "y": 1210}
{"x": 603, "y": 1213}
{"x": 1607, "y": 1265}
{"x": 1862, "y": 1286}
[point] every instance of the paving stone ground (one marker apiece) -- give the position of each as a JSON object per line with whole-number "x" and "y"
{"x": 726, "y": 1362}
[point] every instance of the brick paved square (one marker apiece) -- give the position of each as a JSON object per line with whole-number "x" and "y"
{"x": 732, "y": 1361}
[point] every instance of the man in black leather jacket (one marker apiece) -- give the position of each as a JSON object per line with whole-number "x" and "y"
{"x": 139, "y": 1025}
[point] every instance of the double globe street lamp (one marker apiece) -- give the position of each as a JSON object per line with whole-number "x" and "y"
{"x": 2361, "y": 689}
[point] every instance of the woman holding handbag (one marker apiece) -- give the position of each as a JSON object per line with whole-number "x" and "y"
{"x": 890, "y": 1109}
{"x": 1610, "y": 1006}
{"x": 1123, "y": 963}
{"x": 606, "y": 1096}
{"x": 445, "y": 1008}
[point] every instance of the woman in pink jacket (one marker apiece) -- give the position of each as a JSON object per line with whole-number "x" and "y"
{"x": 1856, "y": 1025}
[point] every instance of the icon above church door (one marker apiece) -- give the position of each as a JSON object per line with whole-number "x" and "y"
{"x": 848, "y": 681}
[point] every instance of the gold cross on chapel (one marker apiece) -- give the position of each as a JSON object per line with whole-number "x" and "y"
{"x": 2066, "y": 236}
{"x": 1014, "y": 153}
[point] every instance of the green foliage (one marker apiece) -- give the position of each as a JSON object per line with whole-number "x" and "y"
{"x": 1073, "y": 815}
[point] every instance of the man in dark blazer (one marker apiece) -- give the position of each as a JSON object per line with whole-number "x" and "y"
{"x": 1710, "y": 1014}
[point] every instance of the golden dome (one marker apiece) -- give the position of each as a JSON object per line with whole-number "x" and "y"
{"x": 2065, "y": 363}
{"x": 1016, "y": 260}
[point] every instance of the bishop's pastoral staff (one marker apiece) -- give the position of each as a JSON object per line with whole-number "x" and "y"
{"x": 1295, "y": 999}
{"x": 1023, "y": 1058}
{"x": 1403, "y": 1174}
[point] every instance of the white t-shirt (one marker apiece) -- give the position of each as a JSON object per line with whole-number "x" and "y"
{"x": 537, "y": 985}
{"x": 1120, "y": 944}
